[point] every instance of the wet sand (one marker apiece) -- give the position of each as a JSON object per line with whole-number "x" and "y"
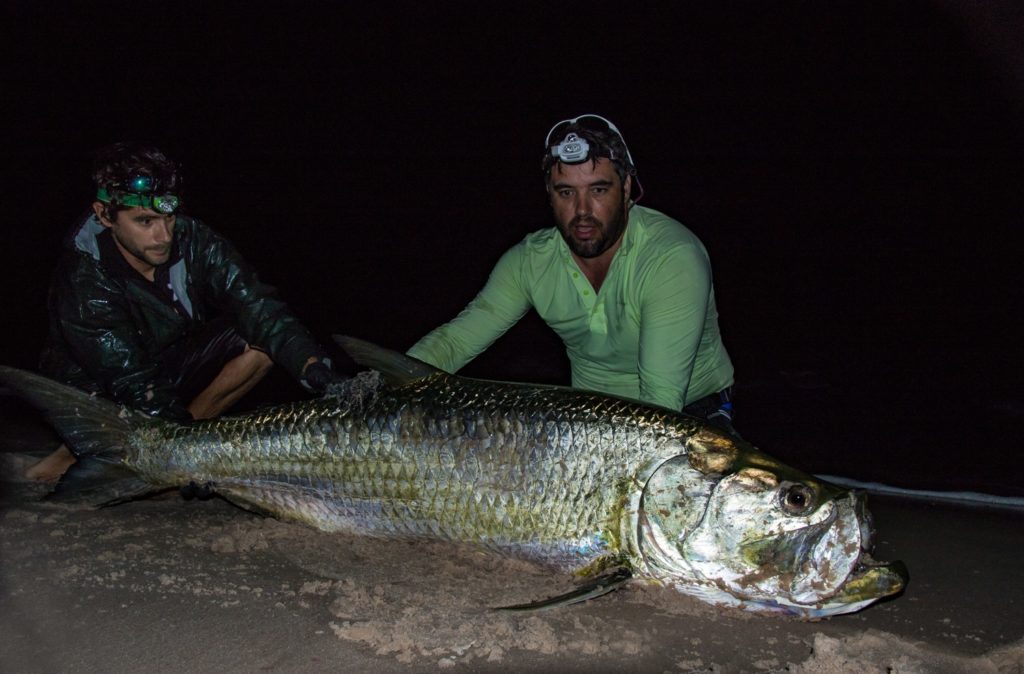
{"x": 168, "y": 585}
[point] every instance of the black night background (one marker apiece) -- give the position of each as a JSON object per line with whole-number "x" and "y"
{"x": 854, "y": 170}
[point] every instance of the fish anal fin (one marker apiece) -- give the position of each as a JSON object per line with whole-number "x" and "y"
{"x": 590, "y": 589}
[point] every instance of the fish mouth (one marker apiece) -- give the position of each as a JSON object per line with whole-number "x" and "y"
{"x": 871, "y": 580}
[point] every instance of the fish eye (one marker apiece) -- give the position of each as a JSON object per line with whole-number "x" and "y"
{"x": 796, "y": 499}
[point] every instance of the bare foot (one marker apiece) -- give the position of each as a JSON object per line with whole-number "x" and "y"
{"x": 50, "y": 468}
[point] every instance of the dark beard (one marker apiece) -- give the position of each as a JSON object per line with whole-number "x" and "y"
{"x": 594, "y": 247}
{"x": 140, "y": 254}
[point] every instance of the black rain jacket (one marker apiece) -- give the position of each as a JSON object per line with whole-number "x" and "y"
{"x": 107, "y": 333}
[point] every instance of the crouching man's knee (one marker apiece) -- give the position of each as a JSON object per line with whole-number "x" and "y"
{"x": 259, "y": 361}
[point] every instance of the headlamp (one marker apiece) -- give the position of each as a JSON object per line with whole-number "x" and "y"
{"x": 572, "y": 149}
{"x": 166, "y": 204}
{"x": 161, "y": 203}
{"x": 137, "y": 192}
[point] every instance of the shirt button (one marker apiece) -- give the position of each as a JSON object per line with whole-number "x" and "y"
{"x": 575, "y": 274}
{"x": 586, "y": 292}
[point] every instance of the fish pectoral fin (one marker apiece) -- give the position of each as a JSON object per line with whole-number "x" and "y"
{"x": 594, "y": 587}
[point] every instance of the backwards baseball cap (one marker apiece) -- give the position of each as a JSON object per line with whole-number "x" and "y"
{"x": 573, "y": 149}
{"x": 142, "y": 191}
{"x": 586, "y": 138}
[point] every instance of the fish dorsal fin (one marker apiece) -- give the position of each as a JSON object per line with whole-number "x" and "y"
{"x": 396, "y": 367}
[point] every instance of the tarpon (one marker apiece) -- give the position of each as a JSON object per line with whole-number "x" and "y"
{"x": 595, "y": 485}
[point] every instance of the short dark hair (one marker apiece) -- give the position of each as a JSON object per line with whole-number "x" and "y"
{"x": 116, "y": 165}
{"x": 603, "y": 143}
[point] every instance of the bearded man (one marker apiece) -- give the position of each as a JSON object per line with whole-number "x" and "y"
{"x": 627, "y": 288}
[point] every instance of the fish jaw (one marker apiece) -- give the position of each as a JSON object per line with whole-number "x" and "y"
{"x": 734, "y": 540}
{"x": 870, "y": 582}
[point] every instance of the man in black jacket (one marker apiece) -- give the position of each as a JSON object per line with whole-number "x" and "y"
{"x": 153, "y": 309}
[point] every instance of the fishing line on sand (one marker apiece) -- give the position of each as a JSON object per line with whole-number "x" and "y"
{"x": 971, "y": 497}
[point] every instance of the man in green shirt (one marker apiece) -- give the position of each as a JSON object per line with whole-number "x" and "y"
{"x": 627, "y": 288}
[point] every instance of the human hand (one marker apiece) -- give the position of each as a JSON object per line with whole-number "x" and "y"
{"x": 318, "y": 377}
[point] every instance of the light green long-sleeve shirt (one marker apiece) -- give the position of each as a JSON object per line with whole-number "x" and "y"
{"x": 651, "y": 333}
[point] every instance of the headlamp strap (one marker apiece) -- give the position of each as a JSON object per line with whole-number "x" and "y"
{"x": 166, "y": 203}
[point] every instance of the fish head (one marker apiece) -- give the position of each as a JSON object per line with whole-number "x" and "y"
{"x": 733, "y": 526}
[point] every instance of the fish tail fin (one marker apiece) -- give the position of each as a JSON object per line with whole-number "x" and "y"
{"x": 96, "y": 430}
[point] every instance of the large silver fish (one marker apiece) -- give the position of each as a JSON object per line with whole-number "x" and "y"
{"x": 596, "y": 485}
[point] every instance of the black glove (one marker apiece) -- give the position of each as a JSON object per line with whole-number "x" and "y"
{"x": 319, "y": 377}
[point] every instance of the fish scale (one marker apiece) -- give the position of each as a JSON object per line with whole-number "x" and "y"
{"x": 445, "y": 477}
